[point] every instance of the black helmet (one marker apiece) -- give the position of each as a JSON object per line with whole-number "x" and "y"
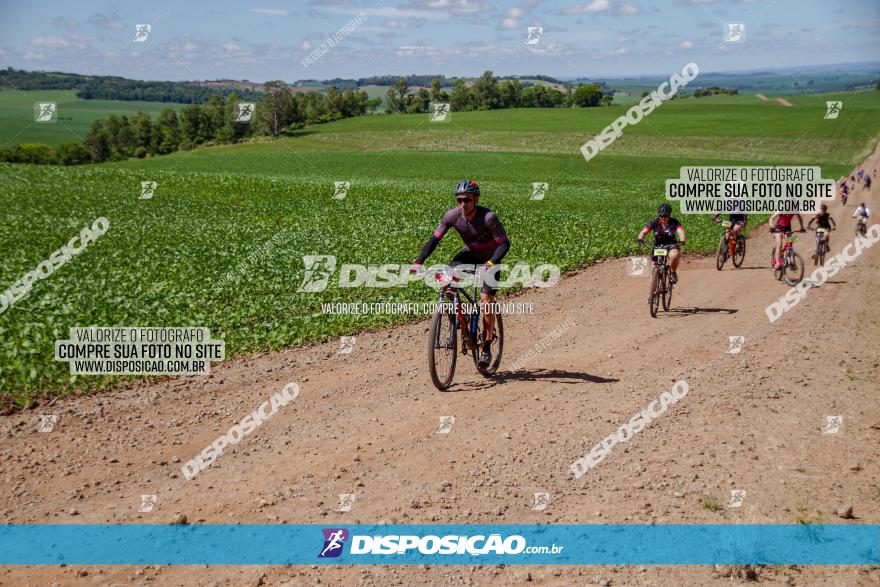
{"x": 664, "y": 210}
{"x": 467, "y": 186}
{"x": 824, "y": 207}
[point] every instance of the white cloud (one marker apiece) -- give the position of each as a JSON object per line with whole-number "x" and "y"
{"x": 598, "y": 6}
{"x": 106, "y": 22}
{"x": 33, "y": 56}
{"x": 685, "y": 45}
{"x": 620, "y": 51}
{"x": 391, "y": 12}
{"x": 49, "y": 42}
{"x": 306, "y": 46}
{"x": 629, "y": 9}
{"x": 510, "y": 23}
{"x": 594, "y": 6}
{"x": 272, "y": 11}
{"x": 403, "y": 23}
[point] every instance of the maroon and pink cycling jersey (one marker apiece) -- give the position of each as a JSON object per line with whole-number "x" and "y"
{"x": 482, "y": 235}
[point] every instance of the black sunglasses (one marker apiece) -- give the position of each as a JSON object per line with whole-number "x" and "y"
{"x": 463, "y": 200}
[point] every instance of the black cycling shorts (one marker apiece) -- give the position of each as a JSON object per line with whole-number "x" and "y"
{"x": 468, "y": 257}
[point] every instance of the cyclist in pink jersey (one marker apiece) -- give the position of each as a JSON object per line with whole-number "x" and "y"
{"x": 780, "y": 224}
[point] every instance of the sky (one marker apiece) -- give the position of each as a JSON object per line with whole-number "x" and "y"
{"x": 269, "y": 39}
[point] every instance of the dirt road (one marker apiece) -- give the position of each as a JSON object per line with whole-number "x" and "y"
{"x": 366, "y": 423}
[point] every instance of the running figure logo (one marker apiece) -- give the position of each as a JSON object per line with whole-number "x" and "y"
{"x": 319, "y": 268}
{"x": 439, "y": 111}
{"x": 340, "y": 189}
{"x": 346, "y": 500}
{"x": 148, "y": 188}
{"x": 832, "y": 424}
{"x": 736, "y": 498}
{"x": 446, "y": 423}
{"x": 534, "y": 35}
{"x": 142, "y": 31}
{"x": 735, "y": 344}
{"x": 147, "y": 503}
{"x": 244, "y": 111}
{"x": 542, "y": 500}
{"x": 47, "y": 422}
{"x": 736, "y": 32}
{"x": 832, "y": 109}
{"x": 334, "y": 541}
{"x": 45, "y": 111}
{"x": 346, "y": 344}
{"x": 637, "y": 266}
{"x": 539, "y": 190}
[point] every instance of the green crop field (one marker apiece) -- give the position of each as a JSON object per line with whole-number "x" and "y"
{"x": 75, "y": 116}
{"x": 161, "y": 259}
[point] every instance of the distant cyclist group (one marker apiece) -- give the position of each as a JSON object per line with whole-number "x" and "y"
{"x": 486, "y": 244}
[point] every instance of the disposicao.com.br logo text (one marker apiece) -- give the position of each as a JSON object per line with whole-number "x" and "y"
{"x": 393, "y": 544}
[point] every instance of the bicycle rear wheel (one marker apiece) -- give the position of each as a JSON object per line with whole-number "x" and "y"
{"x": 442, "y": 348}
{"x": 721, "y": 256}
{"x": 739, "y": 253}
{"x": 793, "y": 270}
{"x": 496, "y": 347}
{"x": 654, "y": 295}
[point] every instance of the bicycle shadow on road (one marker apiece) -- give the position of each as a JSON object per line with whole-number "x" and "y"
{"x": 690, "y": 311}
{"x": 560, "y": 376}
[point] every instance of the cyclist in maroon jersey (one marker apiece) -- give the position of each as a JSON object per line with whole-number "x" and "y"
{"x": 485, "y": 241}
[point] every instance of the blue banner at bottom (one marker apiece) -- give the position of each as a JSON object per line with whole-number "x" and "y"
{"x": 456, "y": 544}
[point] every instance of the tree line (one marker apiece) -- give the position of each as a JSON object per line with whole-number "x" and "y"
{"x": 106, "y": 87}
{"x": 488, "y": 93}
{"x": 277, "y": 112}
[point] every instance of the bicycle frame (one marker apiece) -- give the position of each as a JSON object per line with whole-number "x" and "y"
{"x": 453, "y": 294}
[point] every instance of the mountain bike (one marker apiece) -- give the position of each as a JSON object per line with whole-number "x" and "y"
{"x": 861, "y": 228}
{"x": 821, "y": 246}
{"x": 731, "y": 245}
{"x": 459, "y": 314}
{"x": 792, "y": 270}
{"x": 661, "y": 286}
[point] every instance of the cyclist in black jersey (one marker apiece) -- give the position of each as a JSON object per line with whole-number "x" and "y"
{"x": 667, "y": 231}
{"x": 823, "y": 220}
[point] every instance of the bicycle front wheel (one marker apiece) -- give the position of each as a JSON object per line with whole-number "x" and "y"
{"x": 667, "y": 291}
{"x": 442, "y": 348}
{"x": 654, "y": 299}
{"x": 721, "y": 256}
{"x": 739, "y": 253}
{"x": 793, "y": 270}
